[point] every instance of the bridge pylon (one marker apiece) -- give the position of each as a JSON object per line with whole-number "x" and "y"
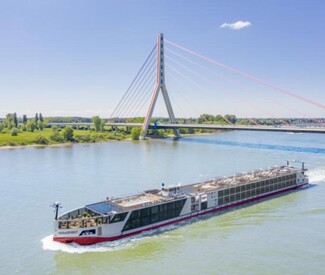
{"x": 159, "y": 86}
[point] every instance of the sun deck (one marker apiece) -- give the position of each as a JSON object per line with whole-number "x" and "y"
{"x": 140, "y": 200}
{"x": 238, "y": 179}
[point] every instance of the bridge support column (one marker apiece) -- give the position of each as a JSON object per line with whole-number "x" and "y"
{"x": 160, "y": 86}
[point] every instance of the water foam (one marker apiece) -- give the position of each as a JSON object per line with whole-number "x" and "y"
{"x": 49, "y": 244}
{"x": 316, "y": 175}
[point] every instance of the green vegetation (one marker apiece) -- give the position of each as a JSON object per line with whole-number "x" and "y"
{"x": 34, "y": 130}
{"x": 99, "y": 123}
{"x": 136, "y": 133}
{"x": 15, "y": 130}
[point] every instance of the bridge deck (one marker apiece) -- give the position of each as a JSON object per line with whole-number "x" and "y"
{"x": 293, "y": 129}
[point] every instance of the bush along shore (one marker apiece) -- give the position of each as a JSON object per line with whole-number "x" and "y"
{"x": 35, "y": 131}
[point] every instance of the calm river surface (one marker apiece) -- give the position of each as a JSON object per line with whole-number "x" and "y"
{"x": 283, "y": 235}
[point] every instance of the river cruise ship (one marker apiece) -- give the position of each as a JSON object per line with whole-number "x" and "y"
{"x": 113, "y": 219}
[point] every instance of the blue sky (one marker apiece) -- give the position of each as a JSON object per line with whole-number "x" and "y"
{"x": 78, "y": 57}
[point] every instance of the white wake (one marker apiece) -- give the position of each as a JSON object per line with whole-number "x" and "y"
{"x": 49, "y": 244}
{"x": 316, "y": 175}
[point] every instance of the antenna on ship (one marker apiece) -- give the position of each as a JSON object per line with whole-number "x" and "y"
{"x": 56, "y": 206}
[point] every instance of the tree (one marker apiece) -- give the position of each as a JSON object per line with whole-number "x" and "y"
{"x": 219, "y": 119}
{"x": 136, "y": 133}
{"x": 231, "y": 118}
{"x": 31, "y": 126}
{"x": 67, "y": 134}
{"x": 15, "y": 120}
{"x": 9, "y": 121}
{"x": 56, "y": 135}
{"x": 36, "y": 118}
{"x": 24, "y": 119}
{"x": 102, "y": 124}
{"x": 41, "y": 117}
{"x": 40, "y": 125}
{"x": 97, "y": 123}
{"x": 14, "y": 132}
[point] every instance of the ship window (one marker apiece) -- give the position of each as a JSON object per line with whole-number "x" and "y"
{"x": 226, "y": 199}
{"x": 204, "y": 205}
{"x": 220, "y": 193}
{"x": 150, "y": 215}
{"x": 237, "y": 197}
{"x": 232, "y": 190}
{"x": 162, "y": 216}
{"x": 242, "y": 188}
{"x": 253, "y": 192}
{"x": 258, "y": 191}
{"x": 248, "y": 194}
{"x": 226, "y": 192}
{"x": 258, "y": 184}
{"x": 162, "y": 207}
{"x": 263, "y": 190}
{"x": 119, "y": 217}
{"x": 178, "y": 204}
{"x": 154, "y": 218}
{"x": 237, "y": 189}
{"x": 144, "y": 212}
{"x": 171, "y": 205}
{"x": 220, "y": 202}
{"x": 154, "y": 209}
{"x": 232, "y": 198}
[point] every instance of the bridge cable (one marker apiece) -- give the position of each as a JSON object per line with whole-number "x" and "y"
{"x": 237, "y": 84}
{"x": 133, "y": 81}
{"x": 136, "y": 86}
{"x": 255, "y": 122}
{"x": 251, "y": 77}
{"x": 138, "y": 90}
{"x": 244, "y": 99}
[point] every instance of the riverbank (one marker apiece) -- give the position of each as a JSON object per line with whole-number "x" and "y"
{"x": 15, "y": 142}
{"x": 41, "y": 138}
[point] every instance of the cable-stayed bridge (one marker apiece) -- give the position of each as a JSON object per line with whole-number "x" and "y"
{"x": 186, "y": 65}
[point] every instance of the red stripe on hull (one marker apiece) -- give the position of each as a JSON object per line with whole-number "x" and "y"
{"x": 93, "y": 240}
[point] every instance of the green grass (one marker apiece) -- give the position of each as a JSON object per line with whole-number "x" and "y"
{"x": 28, "y": 138}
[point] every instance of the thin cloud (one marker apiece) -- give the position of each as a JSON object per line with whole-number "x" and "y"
{"x": 237, "y": 25}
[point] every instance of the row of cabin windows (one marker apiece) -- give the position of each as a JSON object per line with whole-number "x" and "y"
{"x": 255, "y": 185}
{"x": 91, "y": 221}
{"x": 254, "y": 192}
{"x": 154, "y": 214}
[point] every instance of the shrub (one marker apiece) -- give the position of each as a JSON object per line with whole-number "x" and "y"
{"x": 56, "y": 136}
{"x": 67, "y": 134}
{"x": 136, "y": 133}
{"x": 83, "y": 138}
{"x": 41, "y": 140}
{"x": 14, "y": 131}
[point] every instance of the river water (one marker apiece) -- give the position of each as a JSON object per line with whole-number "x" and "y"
{"x": 282, "y": 235}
